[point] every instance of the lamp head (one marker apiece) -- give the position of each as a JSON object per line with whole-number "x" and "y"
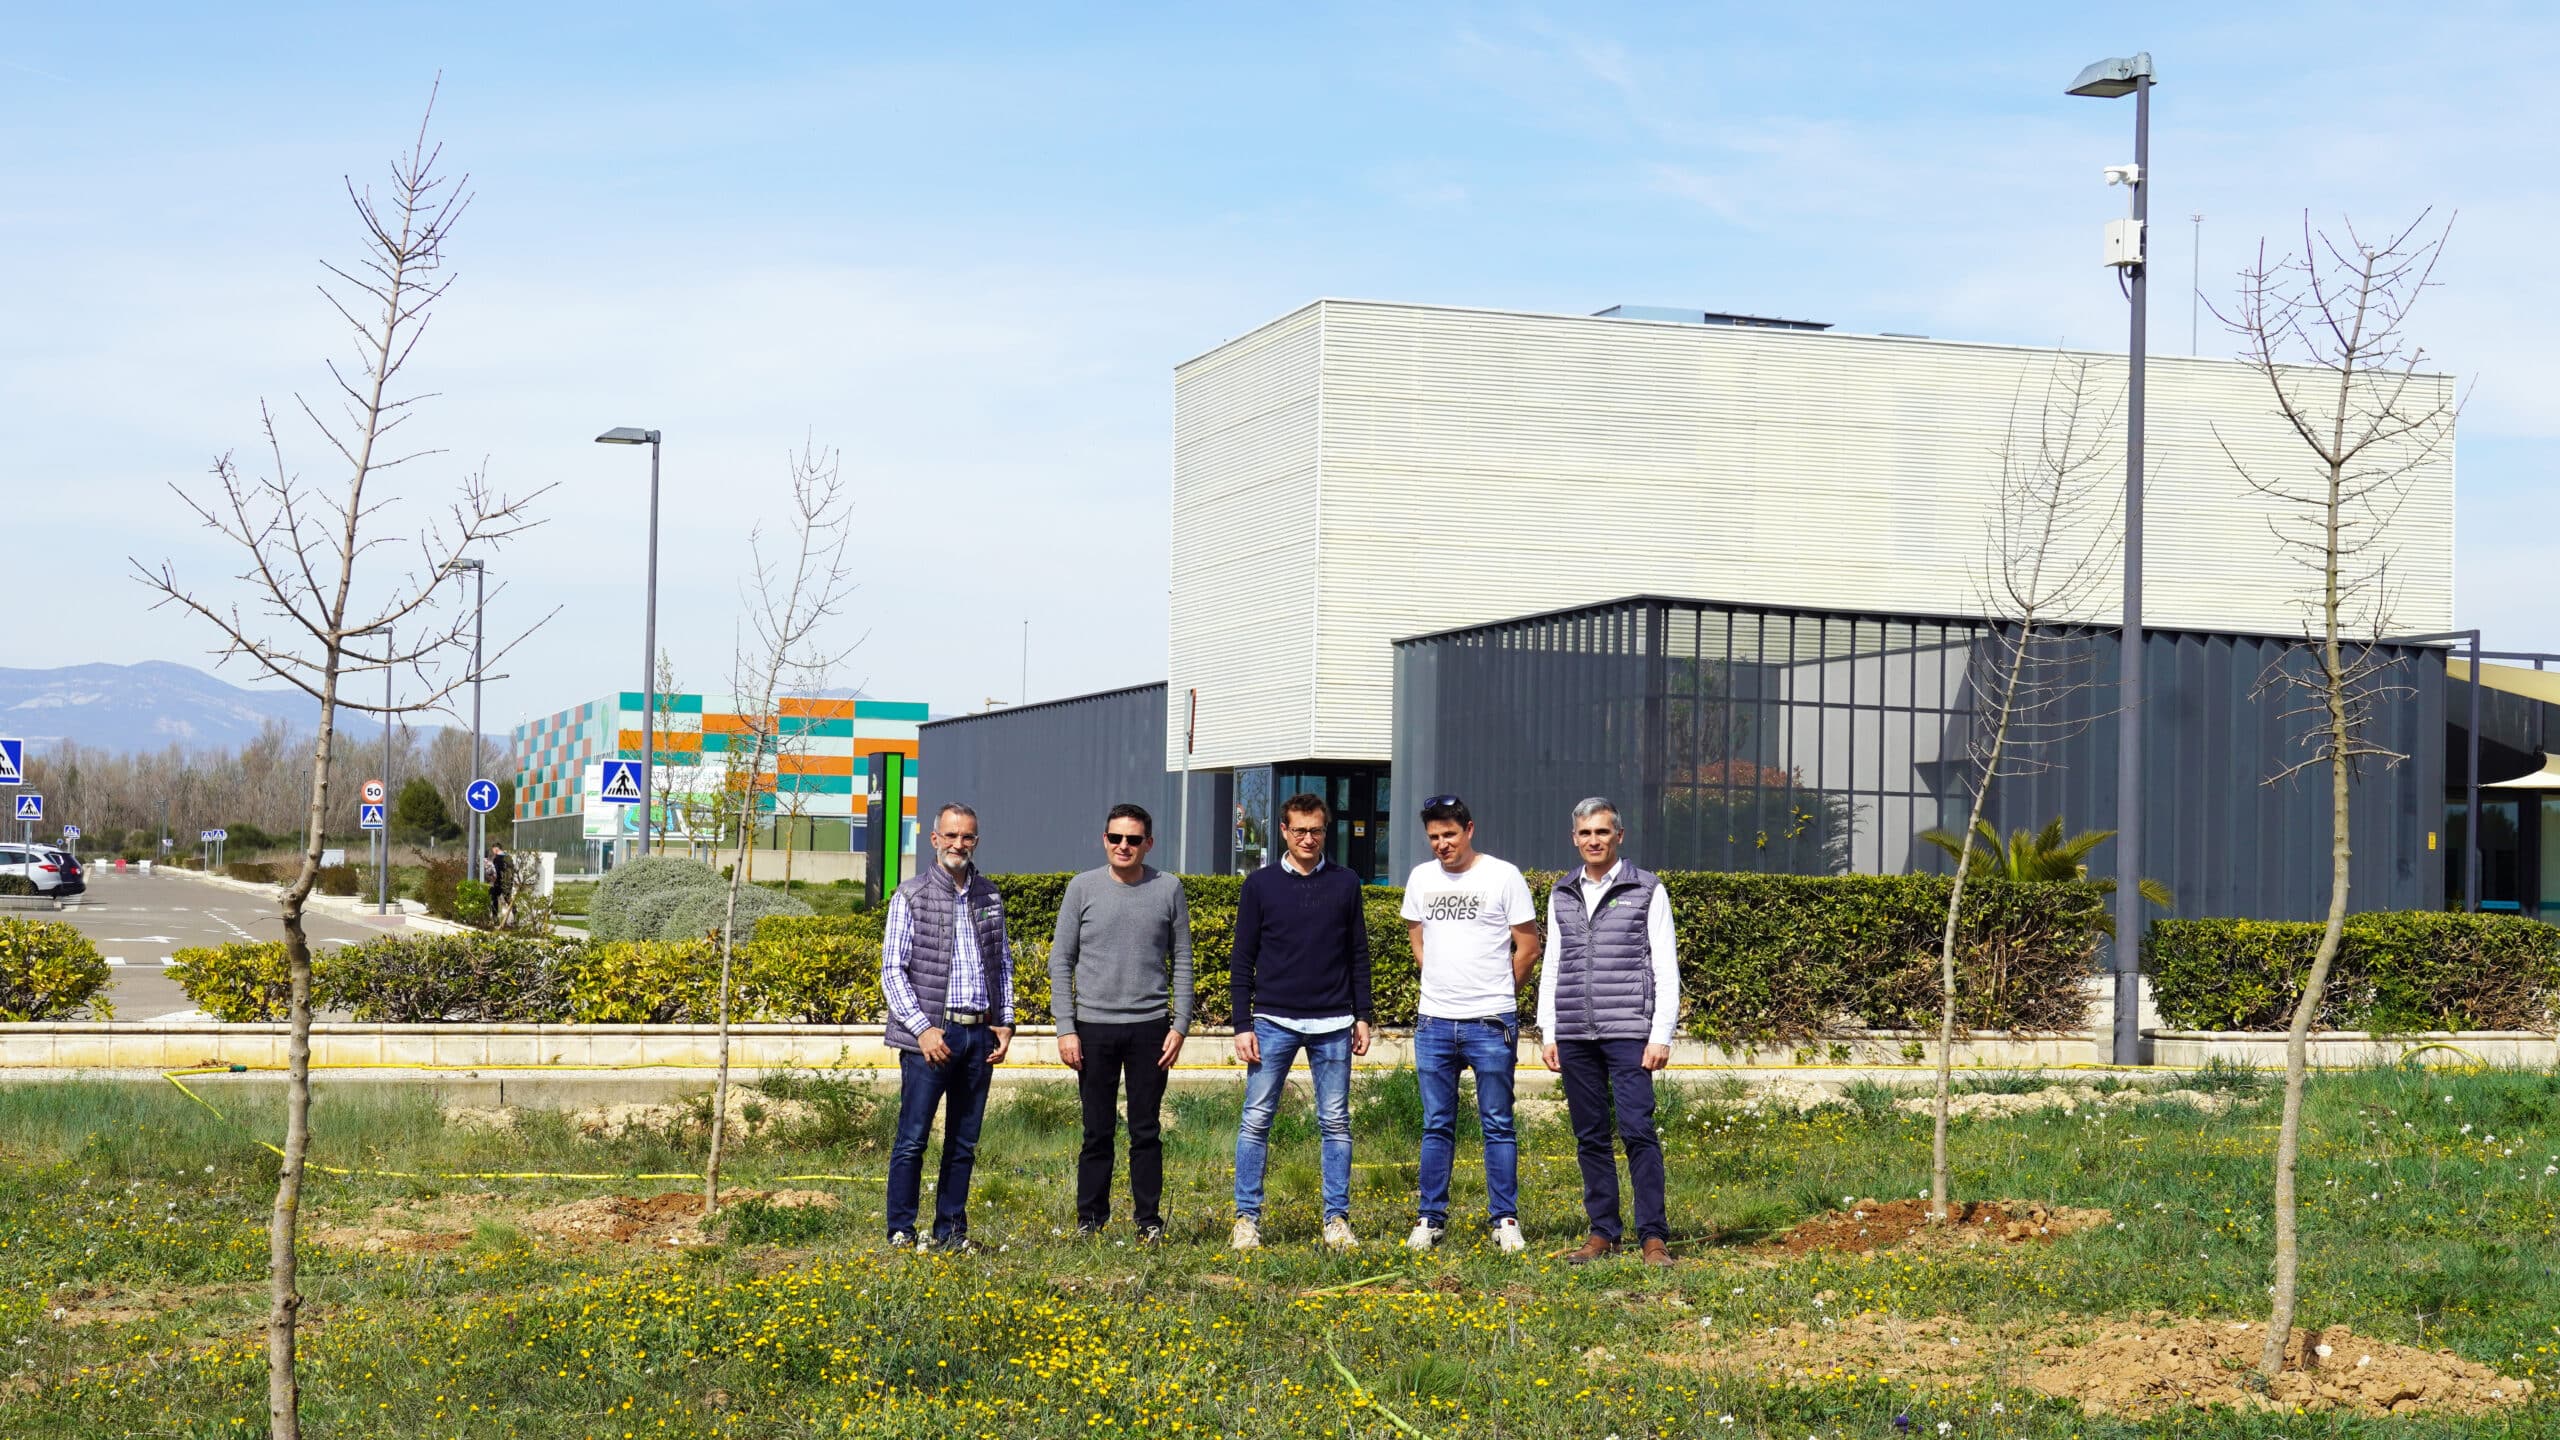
{"x": 2108, "y": 79}
{"x": 627, "y": 435}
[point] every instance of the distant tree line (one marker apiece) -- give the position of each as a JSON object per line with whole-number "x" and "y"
{"x": 123, "y": 800}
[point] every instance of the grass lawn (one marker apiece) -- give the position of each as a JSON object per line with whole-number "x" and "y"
{"x": 131, "y": 1222}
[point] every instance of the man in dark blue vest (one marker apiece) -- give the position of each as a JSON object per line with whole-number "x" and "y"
{"x": 946, "y": 974}
{"x": 1606, "y": 1007}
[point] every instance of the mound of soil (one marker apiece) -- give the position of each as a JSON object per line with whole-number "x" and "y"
{"x": 2133, "y": 1367}
{"x": 750, "y": 1112}
{"x": 671, "y": 1218}
{"x": 2200, "y": 1363}
{"x": 1878, "y": 1225}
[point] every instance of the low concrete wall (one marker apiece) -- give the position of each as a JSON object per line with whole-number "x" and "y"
{"x": 2349, "y": 1049}
{"x": 175, "y": 1046}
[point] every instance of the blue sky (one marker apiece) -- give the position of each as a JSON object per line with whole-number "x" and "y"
{"x": 968, "y": 244}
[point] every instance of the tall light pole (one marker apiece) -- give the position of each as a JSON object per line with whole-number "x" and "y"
{"x": 627, "y": 435}
{"x": 478, "y": 842}
{"x": 2129, "y": 75}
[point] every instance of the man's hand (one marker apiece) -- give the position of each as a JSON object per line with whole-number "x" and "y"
{"x": 1359, "y": 1037}
{"x": 1071, "y": 1053}
{"x": 1248, "y": 1046}
{"x": 1004, "y": 1045}
{"x": 1656, "y": 1056}
{"x": 1172, "y": 1050}
{"x": 935, "y": 1048}
{"x": 1547, "y": 1052}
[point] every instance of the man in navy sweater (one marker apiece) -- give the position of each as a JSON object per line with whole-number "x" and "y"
{"x": 1300, "y": 982}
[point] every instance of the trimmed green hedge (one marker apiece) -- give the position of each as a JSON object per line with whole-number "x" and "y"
{"x": 2397, "y": 972}
{"x": 1765, "y": 959}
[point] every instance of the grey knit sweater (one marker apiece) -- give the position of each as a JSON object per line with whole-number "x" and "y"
{"x": 1107, "y": 962}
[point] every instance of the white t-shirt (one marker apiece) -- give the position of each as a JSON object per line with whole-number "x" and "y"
{"x": 1466, "y": 935}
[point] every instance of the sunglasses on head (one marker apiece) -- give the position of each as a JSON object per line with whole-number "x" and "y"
{"x": 1438, "y": 800}
{"x": 1108, "y": 838}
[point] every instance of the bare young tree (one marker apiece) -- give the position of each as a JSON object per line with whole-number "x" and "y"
{"x": 2327, "y": 330}
{"x": 321, "y": 604}
{"x": 789, "y": 602}
{"x": 2046, "y": 557}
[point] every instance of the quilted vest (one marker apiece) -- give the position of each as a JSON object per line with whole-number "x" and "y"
{"x": 936, "y": 907}
{"x": 1604, "y": 959}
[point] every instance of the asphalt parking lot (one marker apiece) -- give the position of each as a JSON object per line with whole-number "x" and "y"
{"x": 138, "y": 921}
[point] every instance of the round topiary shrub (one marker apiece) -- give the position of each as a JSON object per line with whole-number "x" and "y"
{"x": 696, "y": 916}
{"x": 50, "y": 971}
{"x": 633, "y": 902}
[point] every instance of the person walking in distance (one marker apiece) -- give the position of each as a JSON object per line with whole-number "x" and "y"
{"x": 1300, "y": 983}
{"x": 1475, "y": 939}
{"x": 1120, "y": 985}
{"x": 501, "y": 880}
{"x": 1606, "y": 1007}
{"x": 946, "y": 974}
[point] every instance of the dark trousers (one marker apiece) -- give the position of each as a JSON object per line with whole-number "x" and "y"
{"x": 1112, "y": 1052}
{"x": 1609, "y": 1094}
{"x": 958, "y": 1087}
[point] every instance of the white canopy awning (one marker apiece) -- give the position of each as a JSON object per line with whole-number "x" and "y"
{"x": 2546, "y": 778}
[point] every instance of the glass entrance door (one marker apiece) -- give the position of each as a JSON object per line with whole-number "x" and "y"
{"x": 1359, "y": 796}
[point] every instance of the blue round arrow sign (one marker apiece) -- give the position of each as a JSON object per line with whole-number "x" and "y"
{"x": 481, "y": 796}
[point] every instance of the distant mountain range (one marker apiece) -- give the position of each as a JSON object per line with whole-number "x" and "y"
{"x": 149, "y": 706}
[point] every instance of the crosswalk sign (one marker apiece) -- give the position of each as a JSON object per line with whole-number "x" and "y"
{"x": 70, "y": 832}
{"x": 621, "y": 782}
{"x": 369, "y": 817}
{"x": 30, "y": 807}
{"x": 12, "y": 770}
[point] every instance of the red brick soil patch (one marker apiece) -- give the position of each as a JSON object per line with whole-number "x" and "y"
{"x": 1880, "y": 1225}
{"x": 673, "y": 1217}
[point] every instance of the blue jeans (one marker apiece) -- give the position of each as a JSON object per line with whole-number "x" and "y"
{"x": 1329, "y": 1062}
{"x": 957, "y": 1086}
{"x": 1490, "y": 1046}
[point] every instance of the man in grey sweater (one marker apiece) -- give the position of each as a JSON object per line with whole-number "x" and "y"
{"x": 1120, "y": 986}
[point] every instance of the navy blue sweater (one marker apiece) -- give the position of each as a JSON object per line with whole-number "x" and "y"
{"x": 1302, "y": 946}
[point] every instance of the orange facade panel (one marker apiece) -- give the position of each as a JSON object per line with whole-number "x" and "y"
{"x": 816, "y": 764}
{"x": 818, "y": 709}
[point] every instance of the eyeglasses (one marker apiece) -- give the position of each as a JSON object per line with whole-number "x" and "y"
{"x": 1116, "y": 841}
{"x": 1304, "y": 832}
{"x": 1436, "y": 801}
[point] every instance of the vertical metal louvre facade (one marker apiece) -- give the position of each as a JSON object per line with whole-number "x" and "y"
{"x": 1798, "y": 741}
{"x": 1042, "y": 776}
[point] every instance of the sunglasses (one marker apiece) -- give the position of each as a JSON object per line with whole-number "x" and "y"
{"x": 1438, "y": 800}
{"x": 1116, "y": 841}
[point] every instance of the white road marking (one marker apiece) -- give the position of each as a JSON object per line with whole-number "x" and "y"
{"x": 115, "y": 959}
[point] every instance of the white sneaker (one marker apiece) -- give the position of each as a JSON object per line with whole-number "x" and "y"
{"x": 1337, "y": 1234}
{"x": 1247, "y": 1235}
{"x": 1507, "y": 1237}
{"x": 903, "y": 1240}
{"x": 1424, "y": 1236}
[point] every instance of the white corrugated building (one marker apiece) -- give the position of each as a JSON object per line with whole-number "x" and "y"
{"x": 1355, "y": 472}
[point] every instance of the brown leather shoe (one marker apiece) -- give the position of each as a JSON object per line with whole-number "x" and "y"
{"x": 1592, "y": 1249}
{"x": 1655, "y": 1252}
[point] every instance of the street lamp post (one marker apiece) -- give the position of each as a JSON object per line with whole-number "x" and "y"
{"x": 2130, "y": 75}
{"x": 627, "y": 435}
{"x": 478, "y": 841}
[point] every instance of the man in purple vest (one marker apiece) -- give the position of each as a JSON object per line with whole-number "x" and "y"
{"x": 1606, "y": 1007}
{"x": 946, "y": 974}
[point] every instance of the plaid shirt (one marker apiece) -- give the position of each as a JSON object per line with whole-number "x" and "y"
{"x": 968, "y": 977}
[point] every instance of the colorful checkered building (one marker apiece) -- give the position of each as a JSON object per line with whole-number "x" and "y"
{"x": 817, "y": 800}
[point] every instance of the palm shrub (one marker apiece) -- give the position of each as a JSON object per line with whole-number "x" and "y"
{"x": 50, "y": 971}
{"x": 2033, "y": 855}
{"x": 635, "y": 900}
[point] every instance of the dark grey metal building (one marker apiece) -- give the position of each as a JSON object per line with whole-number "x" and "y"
{"x": 1739, "y": 737}
{"x": 1041, "y": 778}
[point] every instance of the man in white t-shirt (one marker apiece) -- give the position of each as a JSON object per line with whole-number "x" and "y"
{"x": 1475, "y": 940}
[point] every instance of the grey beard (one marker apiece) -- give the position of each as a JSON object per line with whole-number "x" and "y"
{"x": 953, "y": 862}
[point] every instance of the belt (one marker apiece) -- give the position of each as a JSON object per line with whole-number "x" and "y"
{"x": 965, "y": 1017}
